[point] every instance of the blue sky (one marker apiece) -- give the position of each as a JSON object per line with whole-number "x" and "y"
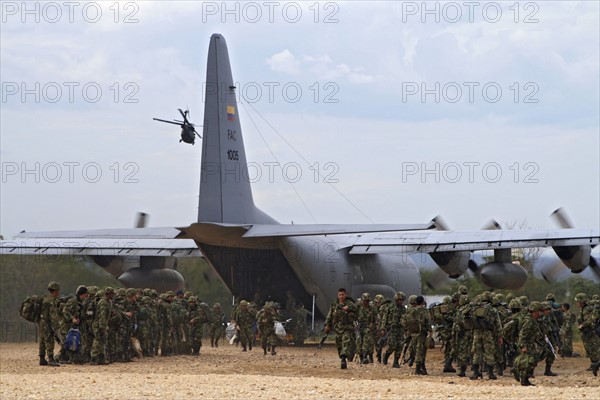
{"x": 490, "y": 114}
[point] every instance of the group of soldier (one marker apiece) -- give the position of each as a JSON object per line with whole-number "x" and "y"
{"x": 106, "y": 320}
{"x": 488, "y": 332}
{"x": 116, "y": 325}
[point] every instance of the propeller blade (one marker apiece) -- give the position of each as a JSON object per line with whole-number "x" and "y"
{"x": 142, "y": 220}
{"x": 440, "y": 223}
{"x": 555, "y": 272}
{"x": 562, "y": 219}
{"x": 438, "y": 280}
{"x": 491, "y": 225}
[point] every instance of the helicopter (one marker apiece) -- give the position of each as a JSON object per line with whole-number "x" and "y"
{"x": 188, "y": 130}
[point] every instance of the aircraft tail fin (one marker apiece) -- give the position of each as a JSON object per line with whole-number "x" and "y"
{"x": 225, "y": 192}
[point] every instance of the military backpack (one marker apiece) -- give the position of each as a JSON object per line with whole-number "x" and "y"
{"x": 31, "y": 308}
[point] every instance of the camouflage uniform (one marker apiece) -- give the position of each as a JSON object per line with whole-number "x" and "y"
{"x": 49, "y": 321}
{"x": 197, "y": 317}
{"x": 510, "y": 331}
{"x": 165, "y": 318}
{"x": 566, "y": 332}
{"x": 178, "y": 312}
{"x": 244, "y": 317}
{"x": 73, "y": 314}
{"x": 265, "y": 319}
{"x": 367, "y": 326}
{"x": 217, "y": 322}
{"x": 462, "y": 338}
{"x": 100, "y": 325}
{"x": 380, "y": 305}
{"x": 486, "y": 332}
{"x": 549, "y": 329}
{"x": 87, "y": 318}
{"x": 527, "y": 345}
{"x": 587, "y": 322}
{"x": 391, "y": 325}
{"x": 341, "y": 317}
{"x": 418, "y": 318}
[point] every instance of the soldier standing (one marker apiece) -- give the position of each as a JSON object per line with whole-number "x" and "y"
{"x": 487, "y": 335}
{"x": 419, "y": 338}
{"x": 566, "y": 331}
{"x": 197, "y": 318}
{"x": 529, "y": 336}
{"x": 341, "y": 318}
{"x": 462, "y": 335}
{"x": 103, "y": 313}
{"x": 391, "y": 326}
{"x": 49, "y": 321}
{"x": 587, "y": 322}
{"x": 73, "y": 314}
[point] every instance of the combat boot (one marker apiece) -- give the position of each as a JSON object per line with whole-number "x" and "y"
{"x": 448, "y": 367}
{"x": 344, "y": 365}
{"x": 423, "y": 369}
{"x": 500, "y": 369}
{"x": 548, "y": 371}
{"x": 490, "y": 371}
{"x": 515, "y": 373}
{"x": 418, "y": 369}
{"x": 595, "y": 368}
{"x": 249, "y": 346}
{"x": 525, "y": 382}
{"x": 411, "y": 361}
{"x": 463, "y": 371}
{"x": 102, "y": 360}
{"x": 396, "y": 364}
{"x": 212, "y": 343}
{"x": 244, "y": 348}
{"x": 370, "y": 357}
{"x": 273, "y": 352}
{"x": 476, "y": 373}
{"x": 379, "y": 357}
{"x": 386, "y": 357}
{"x": 43, "y": 360}
{"x": 217, "y": 343}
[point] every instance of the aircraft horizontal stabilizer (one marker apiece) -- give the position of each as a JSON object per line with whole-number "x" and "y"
{"x": 332, "y": 229}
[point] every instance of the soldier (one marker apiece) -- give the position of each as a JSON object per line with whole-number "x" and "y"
{"x": 529, "y": 335}
{"x": 420, "y": 337}
{"x": 487, "y": 334}
{"x": 265, "y": 319}
{"x": 73, "y": 313}
{"x": 165, "y": 316}
{"x": 391, "y": 326}
{"x": 341, "y": 318}
{"x": 49, "y": 321}
{"x": 197, "y": 318}
{"x": 178, "y": 312}
{"x": 411, "y": 326}
{"x": 587, "y": 323}
{"x": 380, "y": 305}
{"x": 367, "y": 320}
{"x": 566, "y": 331}
{"x": 510, "y": 331}
{"x": 300, "y": 324}
{"x": 130, "y": 311}
{"x": 462, "y": 335}
{"x": 443, "y": 317}
{"x": 103, "y": 313}
{"x": 217, "y": 322}
{"x": 86, "y": 327}
{"x": 503, "y": 313}
{"x": 549, "y": 328}
{"x": 244, "y": 317}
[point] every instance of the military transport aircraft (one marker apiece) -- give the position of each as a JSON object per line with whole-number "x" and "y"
{"x": 253, "y": 253}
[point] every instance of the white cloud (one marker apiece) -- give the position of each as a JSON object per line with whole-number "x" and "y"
{"x": 321, "y": 67}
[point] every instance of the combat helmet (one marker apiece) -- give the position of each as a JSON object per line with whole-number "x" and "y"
{"x": 581, "y": 297}
{"x": 412, "y": 300}
{"x": 379, "y": 298}
{"x": 53, "y": 286}
{"x": 514, "y": 304}
{"x": 365, "y": 297}
{"x": 400, "y": 296}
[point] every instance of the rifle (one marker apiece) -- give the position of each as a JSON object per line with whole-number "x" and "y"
{"x": 550, "y": 345}
{"x": 383, "y": 340}
{"x": 406, "y": 346}
{"x": 320, "y": 345}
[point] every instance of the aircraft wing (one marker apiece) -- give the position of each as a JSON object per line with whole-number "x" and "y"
{"x": 438, "y": 241}
{"x": 260, "y": 230}
{"x": 115, "y": 242}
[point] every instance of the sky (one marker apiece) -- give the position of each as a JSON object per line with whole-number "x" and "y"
{"x": 352, "y": 112}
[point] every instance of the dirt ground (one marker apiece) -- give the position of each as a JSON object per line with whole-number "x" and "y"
{"x": 294, "y": 373}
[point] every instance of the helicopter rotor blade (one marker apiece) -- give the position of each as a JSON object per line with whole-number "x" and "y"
{"x": 168, "y": 122}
